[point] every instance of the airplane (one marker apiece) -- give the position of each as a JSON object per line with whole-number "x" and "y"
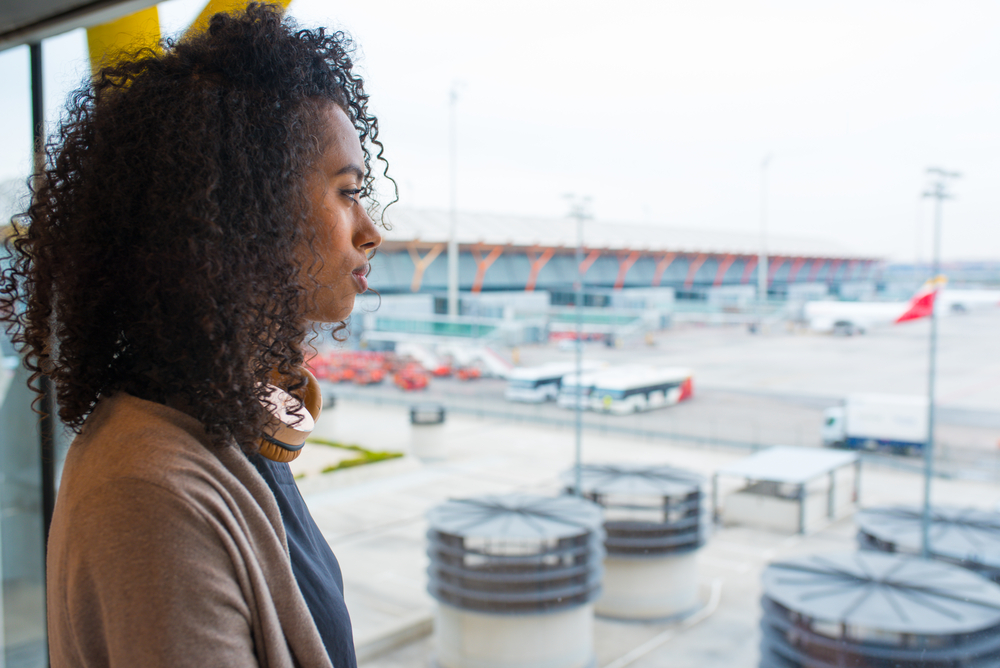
{"x": 850, "y": 318}
{"x": 959, "y": 301}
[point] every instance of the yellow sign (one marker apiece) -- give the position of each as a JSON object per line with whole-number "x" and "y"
{"x": 215, "y": 6}
{"x": 108, "y": 41}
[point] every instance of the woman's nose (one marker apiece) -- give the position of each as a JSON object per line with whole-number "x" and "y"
{"x": 367, "y": 237}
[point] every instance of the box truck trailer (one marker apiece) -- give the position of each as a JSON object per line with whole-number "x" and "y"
{"x": 877, "y": 422}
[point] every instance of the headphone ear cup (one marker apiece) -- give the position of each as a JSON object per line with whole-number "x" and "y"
{"x": 278, "y": 452}
{"x": 284, "y": 442}
{"x": 313, "y": 398}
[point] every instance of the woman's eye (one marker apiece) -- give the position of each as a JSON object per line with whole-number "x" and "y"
{"x": 353, "y": 194}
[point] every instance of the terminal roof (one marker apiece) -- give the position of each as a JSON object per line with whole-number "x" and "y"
{"x": 434, "y": 226}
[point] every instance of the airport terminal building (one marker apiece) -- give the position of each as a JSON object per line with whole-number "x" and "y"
{"x": 513, "y": 253}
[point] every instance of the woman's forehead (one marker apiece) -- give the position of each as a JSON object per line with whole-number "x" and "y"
{"x": 342, "y": 143}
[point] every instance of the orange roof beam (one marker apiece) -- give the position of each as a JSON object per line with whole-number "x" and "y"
{"x": 814, "y": 270}
{"x": 773, "y": 267}
{"x": 796, "y": 268}
{"x": 624, "y": 264}
{"x": 482, "y": 264}
{"x": 661, "y": 267}
{"x": 693, "y": 269}
{"x": 420, "y": 264}
{"x": 589, "y": 261}
{"x": 537, "y": 262}
{"x": 724, "y": 266}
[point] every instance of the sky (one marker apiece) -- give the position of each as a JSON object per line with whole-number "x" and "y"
{"x": 664, "y": 113}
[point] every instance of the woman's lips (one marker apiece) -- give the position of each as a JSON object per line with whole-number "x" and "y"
{"x": 361, "y": 279}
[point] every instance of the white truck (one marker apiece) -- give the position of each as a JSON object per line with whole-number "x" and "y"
{"x": 877, "y": 422}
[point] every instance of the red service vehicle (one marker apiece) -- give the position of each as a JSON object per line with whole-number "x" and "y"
{"x": 411, "y": 377}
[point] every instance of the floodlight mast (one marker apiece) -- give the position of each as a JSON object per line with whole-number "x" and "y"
{"x": 579, "y": 210}
{"x": 453, "y": 206}
{"x": 939, "y": 193}
{"x": 762, "y": 253}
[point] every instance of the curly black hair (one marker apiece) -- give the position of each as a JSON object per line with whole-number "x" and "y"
{"x": 158, "y": 254}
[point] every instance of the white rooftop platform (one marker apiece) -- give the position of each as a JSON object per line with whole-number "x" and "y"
{"x": 790, "y": 489}
{"x": 786, "y": 464}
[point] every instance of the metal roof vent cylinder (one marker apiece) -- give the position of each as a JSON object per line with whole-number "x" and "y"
{"x": 655, "y": 520}
{"x": 966, "y": 537}
{"x": 515, "y": 576}
{"x": 873, "y": 609}
{"x": 427, "y": 432}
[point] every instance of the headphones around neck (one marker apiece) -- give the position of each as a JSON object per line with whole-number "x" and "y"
{"x": 280, "y": 441}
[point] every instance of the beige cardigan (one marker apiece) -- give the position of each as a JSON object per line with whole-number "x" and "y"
{"x": 165, "y": 551}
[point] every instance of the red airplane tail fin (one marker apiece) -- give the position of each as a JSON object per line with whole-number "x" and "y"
{"x": 922, "y": 304}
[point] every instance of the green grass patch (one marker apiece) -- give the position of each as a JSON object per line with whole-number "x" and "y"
{"x": 366, "y": 456}
{"x": 335, "y": 444}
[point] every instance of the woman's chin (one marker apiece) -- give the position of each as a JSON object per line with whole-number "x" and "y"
{"x": 331, "y": 312}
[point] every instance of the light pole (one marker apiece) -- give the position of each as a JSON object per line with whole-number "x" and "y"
{"x": 580, "y": 210}
{"x": 939, "y": 193}
{"x": 762, "y": 254}
{"x": 453, "y": 208}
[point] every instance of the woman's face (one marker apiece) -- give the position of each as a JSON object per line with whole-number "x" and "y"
{"x": 334, "y": 269}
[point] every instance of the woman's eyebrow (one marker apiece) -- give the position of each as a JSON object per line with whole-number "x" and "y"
{"x": 351, "y": 169}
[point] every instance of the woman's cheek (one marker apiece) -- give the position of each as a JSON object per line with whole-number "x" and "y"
{"x": 332, "y": 302}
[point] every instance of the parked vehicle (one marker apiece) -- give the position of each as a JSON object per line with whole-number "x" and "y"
{"x": 571, "y": 391}
{"x": 877, "y": 422}
{"x": 539, "y": 383}
{"x": 469, "y": 373}
{"x": 410, "y": 377}
{"x": 850, "y": 318}
{"x": 635, "y": 391}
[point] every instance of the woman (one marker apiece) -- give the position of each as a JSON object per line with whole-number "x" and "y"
{"x": 200, "y": 209}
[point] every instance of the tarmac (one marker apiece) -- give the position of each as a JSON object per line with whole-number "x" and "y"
{"x": 373, "y": 518}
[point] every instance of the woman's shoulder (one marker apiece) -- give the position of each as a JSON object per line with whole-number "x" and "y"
{"x": 130, "y": 443}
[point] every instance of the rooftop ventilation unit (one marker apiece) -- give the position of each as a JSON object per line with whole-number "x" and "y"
{"x": 515, "y": 576}
{"x": 655, "y": 520}
{"x": 872, "y": 609}
{"x": 427, "y": 432}
{"x": 966, "y": 537}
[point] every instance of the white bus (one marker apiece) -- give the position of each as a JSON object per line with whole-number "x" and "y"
{"x": 641, "y": 390}
{"x": 571, "y": 391}
{"x": 539, "y": 383}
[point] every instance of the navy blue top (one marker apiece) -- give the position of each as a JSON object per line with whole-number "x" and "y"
{"x": 315, "y": 568}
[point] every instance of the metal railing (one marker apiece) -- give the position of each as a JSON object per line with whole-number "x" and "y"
{"x": 952, "y": 463}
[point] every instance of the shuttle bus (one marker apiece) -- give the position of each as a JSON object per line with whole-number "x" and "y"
{"x": 571, "y": 391}
{"x": 644, "y": 390}
{"x": 539, "y": 383}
